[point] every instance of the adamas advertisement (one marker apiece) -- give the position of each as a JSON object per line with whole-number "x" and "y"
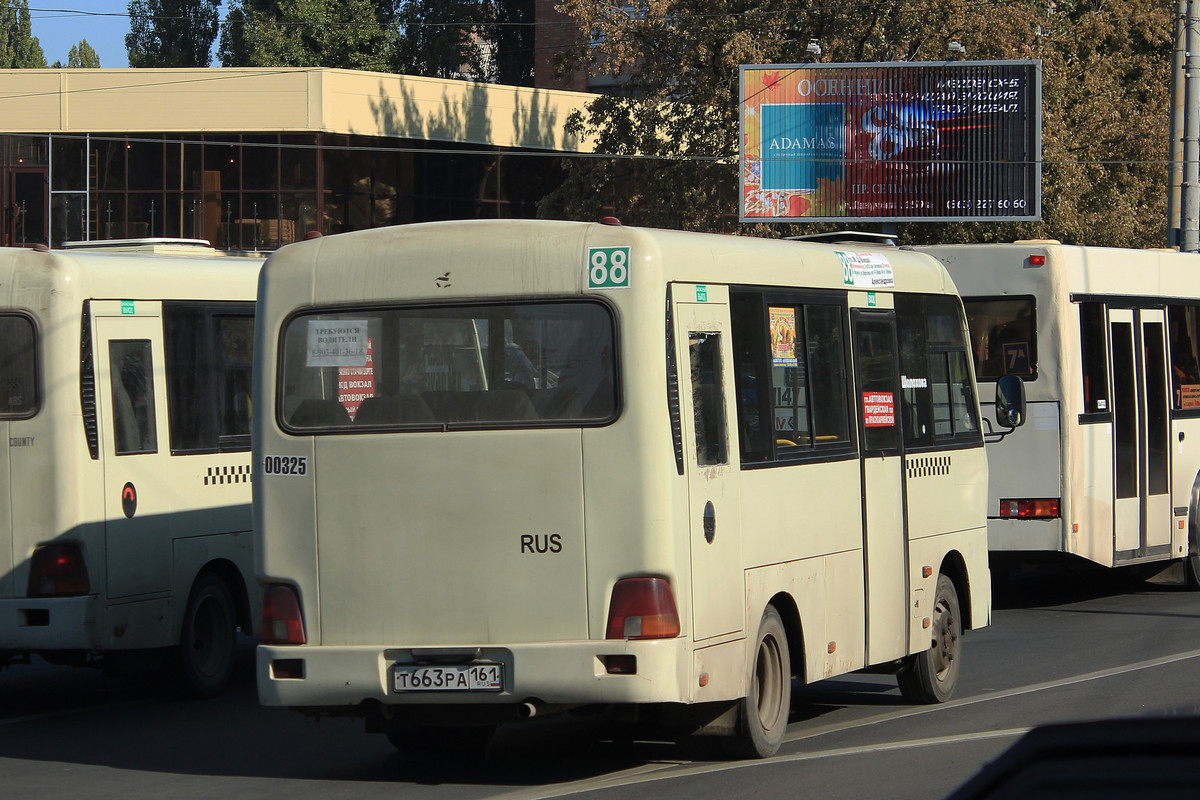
{"x": 896, "y": 142}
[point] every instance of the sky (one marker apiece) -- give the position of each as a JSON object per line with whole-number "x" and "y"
{"x": 60, "y": 24}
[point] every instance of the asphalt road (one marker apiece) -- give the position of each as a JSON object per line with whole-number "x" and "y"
{"x": 1079, "y": 648}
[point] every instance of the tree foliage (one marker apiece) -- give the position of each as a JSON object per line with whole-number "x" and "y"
{"x": 19, "y": 48}
{"x": 440, "y": 39}
{"x": 172, "y": 33}
{"x": 484, "y": 40}
{"x": 349, "y": 34}
{"x": 1106, "y": 86}
{"x": 81, "y": 56}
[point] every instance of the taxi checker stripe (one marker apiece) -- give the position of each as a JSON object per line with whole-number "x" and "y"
{"x": 228, "y": 474}
{"x": 928, "y": 466}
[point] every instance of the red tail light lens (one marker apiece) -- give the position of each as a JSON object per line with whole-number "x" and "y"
{"x": 642, "y": 608}
{"x": 57, "y": 570}
{"x": 281, "y": 620}
{"x": 1029, "y": 509}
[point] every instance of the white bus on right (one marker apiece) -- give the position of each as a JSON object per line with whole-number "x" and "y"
{"x": 1107, "y": 468}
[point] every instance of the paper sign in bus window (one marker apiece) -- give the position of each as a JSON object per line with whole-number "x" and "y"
{"x": 783, "y": 337}
{"x": 337, "y": 343}
{"x": 879, "y": 409}
{"x": 1189, "y": 395}
{"x": 356, "y": 384}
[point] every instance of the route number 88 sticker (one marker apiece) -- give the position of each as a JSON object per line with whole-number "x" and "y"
{"x": 285, "y": 465}
{"x": 608, "y": 267}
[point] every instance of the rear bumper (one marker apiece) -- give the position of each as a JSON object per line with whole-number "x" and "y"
{"x": 1025, "y": 535}
{"x": 566, "y": 673}
{"x": 42, "y": 624}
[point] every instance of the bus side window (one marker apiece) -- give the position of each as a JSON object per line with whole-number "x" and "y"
{"x": 1185, "y": 371}
{"x": 753, "y": 382}
{"x": 133, "y": 397}
{"x": 708, "y": 399}
{"x": 1093, "y": 342}
{"x": 18, "y": 373}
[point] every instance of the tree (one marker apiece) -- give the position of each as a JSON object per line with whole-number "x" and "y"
{"x": 513, "y": 39}
{"x": 19, "y": 48}
{"x": 674, "y": 126}
{"x": 171, "y": 33}
{"x": 350, "y": 34}
{"x": 489, "y": 41}
{"x": 81, "y": 56}
{"x": 441, "y": 39}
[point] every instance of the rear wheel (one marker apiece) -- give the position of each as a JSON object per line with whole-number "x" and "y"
{"x": 930, "y": 676}
{"x": 763, "y": 712}
{"x": 202, "y": 662}
{"x": 1191, "y": 564}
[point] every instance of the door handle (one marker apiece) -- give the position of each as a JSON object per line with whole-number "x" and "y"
{"x": 710, "y": 522}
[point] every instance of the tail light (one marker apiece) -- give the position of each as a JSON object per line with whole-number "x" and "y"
{"x": 281, "y": 621}
{"x": 1029, "y": 509}
{"x": 57, "y": 570}
{"x": 642, "y": 608}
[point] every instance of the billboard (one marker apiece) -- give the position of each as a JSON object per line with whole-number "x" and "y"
{"x": 896, "y": 142}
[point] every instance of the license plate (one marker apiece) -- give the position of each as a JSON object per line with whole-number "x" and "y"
{"x": 455, "y": 678}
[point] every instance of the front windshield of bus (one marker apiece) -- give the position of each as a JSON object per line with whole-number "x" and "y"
{"x": 451, "y": 367}
{"x": 1003, "y": 336}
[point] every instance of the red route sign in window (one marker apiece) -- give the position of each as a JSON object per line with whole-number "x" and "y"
{"x": 879, "y": 409}
{"x": 356, "y": 384}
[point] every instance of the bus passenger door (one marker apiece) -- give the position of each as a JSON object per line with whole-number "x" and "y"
{"x": 704, "y": 359}
{"x": 1141, "y": 431}
{"x": 132, "y": 419}
{"x": 877, "y": 380}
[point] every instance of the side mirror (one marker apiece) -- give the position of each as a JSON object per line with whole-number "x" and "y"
{"x": 1010, "y": 401}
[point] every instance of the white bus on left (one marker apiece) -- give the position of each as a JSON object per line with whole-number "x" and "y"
{"x": 125, "y": 456}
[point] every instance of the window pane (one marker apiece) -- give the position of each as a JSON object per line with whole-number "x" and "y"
{"x": 1125, "y": 421}
{"x": 755, "y": 426}
{"x": 876, "y": 361}
{"x": 963, "y": 408}
{"x": 66, "y": 215}
{"x": 1185, "y": 372}
{"x": 1003, "y": 337}
{"x": 145, "y": 165}
{"x": 132, "y": 397}
{"x": 1157, "y": 422}
{"x": 789, "y": 378}
{"x": 18, "y": 371}
{"x": 471, "y": 366}
{"x": 827, "y": 374}
{"x": 708, "y": 398}
{"x": 209, "y": 350}
{"x": 260, "y": 162}
{"x": 68, "y": 167}
{"x": 1094, "y": 344}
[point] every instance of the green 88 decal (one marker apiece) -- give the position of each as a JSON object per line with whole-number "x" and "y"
{"x": 608, "y": 267}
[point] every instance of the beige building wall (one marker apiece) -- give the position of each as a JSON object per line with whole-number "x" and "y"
{"x": 294, "y": 100}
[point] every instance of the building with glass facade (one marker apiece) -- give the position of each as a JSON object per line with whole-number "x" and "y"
{"x": 252, "y": 159}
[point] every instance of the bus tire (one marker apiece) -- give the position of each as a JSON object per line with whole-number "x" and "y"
{"x": 930, "y": 677}
{"x": 202, "y": 662}
{"x": 1191, "y": 563}
{"x": 763, "y": 712}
